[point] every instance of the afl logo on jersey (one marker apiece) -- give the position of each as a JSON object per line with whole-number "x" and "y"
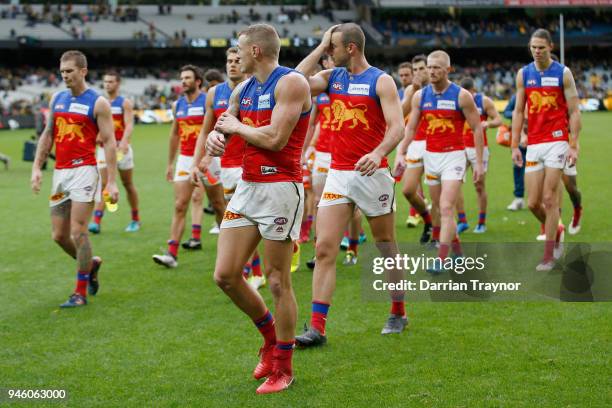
{"x": 337, "y": 86}
{"x": 246, "y": 102}
{"x": 222, "y": 102}
{"x": 531, "y": 82}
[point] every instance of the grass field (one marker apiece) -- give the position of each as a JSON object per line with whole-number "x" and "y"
{"x": 159, "y": 337}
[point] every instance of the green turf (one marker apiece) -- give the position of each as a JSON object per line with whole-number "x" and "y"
{"x": 158, "y": 337}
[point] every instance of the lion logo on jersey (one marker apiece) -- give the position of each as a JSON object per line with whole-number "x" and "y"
{"x": 249, "y": 122}
{"x": 118, "y": 124}
{"x": 435, "y": 124}
{"x": 188, "y": 130}
{"x": 353, "y": 113}
{"x": 67, "y": 127}
{"x": 326, "y": 111}
{"x": 544, "y": 101}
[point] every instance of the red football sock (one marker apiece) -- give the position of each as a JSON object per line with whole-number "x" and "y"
{"x": 98, "y": 214}
{"x": 196, "y": 231}
{"x": 353, "y": 243}
{"x": 256, "y": 266}
{"x": 398, "y": 308}
{"x": 265, "y": 325}
{"x": 426, "y": 217}
{"x": 319, "y": 316}
{"x": 443, "y": 251}
{"x": 549, "y": 247}
{"x": 135, "y": 216}
{"x": 436, "y": 233}
{"x": 173, "y": 248}
{"x": 81, "y": 283}
{"x": 413, "y": 212}
{"x": 283, "y": 353}
{"x": 456, "y": 246}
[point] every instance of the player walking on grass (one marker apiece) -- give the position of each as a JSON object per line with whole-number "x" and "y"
{"x": 270, "y": 111}
{"x": 549, "y": 91}
{"x": 445, "y": 107}
{"x": 409, "y": 158}
{"x": 489, "y": 119}
{"x": 367, "y": 125}
{"x": 123, "y": 122}
{"x": 217, "y": 101}
{"x": 77, "y": 116}
{"x": 188, "y": 113}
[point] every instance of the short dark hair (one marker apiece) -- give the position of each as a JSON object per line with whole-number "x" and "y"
{"x": 114, "y": 73}
{"x": 419, "y": 58}
{"x": 351, "y": 33}
{"x": 543, "y": 34}
{"x": 467, "y": 83}
{"x": 213, "y": 75}
{"x": 405, "y": 65}
{"x": 77, "y": 56}
{"x": 197, "y": 72}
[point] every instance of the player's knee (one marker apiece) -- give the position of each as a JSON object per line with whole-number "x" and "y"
{"x": 446, "y": 210}
{"x": 409, "y": 190}
{"x": 534, "y": 205}
{"x": 59, "y": 236}
{"x": 323, "y": 250}
{"x": 275, "y": 284}
{"x": 550, "y": 200}
{"x": 180, "y": 206}
{"x": 224, "y": 279}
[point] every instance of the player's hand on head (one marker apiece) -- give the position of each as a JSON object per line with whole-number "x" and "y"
{"x": 215, "y": 143}
{"x": 227, "y": 124}
{"x": 326, "y": 40}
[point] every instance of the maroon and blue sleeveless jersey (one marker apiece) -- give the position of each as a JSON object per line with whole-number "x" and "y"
{"x": 118, "y": 119}
{"x": 256, "y": 105}
{"x": 75, "y": 129}
{"x": 357, "y": 121}
{"x": 443, "y": 118}
{"x": 189, "y": 118}
{"x": 547, "y": 113}
{"x": 232, "y": 157}
{"x": 468, "y": 135}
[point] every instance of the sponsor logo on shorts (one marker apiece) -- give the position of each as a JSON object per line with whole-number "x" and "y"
{"x": 279, "y": 229}
{"x": 88, "y": 189}
{"x": 281, "y": 221}
{"x": 229, "y": 216}
{"x": 383, "y": 197}
{"x": 458, "y": 168}
{"x": 431, "y": 177}
{"x": 561, "y": 157}
{"x": 57, "y": 196}
{"x": 532, "y": 163}
{"x": 337, "y": 86}
{"x": 331, "y": 196}
{"x": 265, "y": 170}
